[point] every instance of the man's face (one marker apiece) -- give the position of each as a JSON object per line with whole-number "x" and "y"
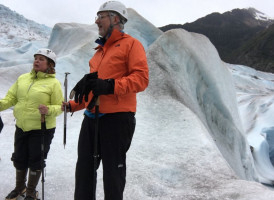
{"x": 103, "y": 23}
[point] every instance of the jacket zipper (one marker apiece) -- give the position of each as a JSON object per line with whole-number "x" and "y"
{"x": 32, "y": 83}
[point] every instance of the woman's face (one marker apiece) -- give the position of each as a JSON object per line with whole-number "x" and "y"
{"x": 40, "y": 63}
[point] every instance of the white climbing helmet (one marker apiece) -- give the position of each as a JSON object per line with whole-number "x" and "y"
{"x": 115, "y": 6}
{"x": 48, "y": 53}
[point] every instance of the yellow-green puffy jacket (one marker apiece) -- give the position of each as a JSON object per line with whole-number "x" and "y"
{"x": 27, "y": 93}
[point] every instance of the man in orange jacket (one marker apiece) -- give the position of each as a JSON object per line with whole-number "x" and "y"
{"x": 118, "y": 70}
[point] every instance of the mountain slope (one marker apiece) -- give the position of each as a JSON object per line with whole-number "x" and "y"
{"x": 258, "y": 52}
{"x": 16, "y": 30}
{"x": 228, "y": 31}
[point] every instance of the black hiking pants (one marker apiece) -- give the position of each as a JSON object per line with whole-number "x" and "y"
{"x": 27, "y": 148}
{"x": 115, "y": 135}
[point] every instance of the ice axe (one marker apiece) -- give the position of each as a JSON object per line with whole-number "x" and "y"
{"x": 65, "y": 109}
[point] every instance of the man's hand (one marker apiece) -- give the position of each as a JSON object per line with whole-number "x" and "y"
{"x": 79, "y": 90}
{"x": 101, "y": 87}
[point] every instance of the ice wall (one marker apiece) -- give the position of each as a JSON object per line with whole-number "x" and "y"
{"x": 194, "y": 74}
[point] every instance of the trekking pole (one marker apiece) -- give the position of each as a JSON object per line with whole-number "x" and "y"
{"x": 43, "y": 128}
{"x": 95, "y": 154}
{"x": 65, "y": 109}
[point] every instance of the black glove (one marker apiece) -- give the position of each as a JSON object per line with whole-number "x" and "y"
{"x": 101, "y": 87}
{"x": 79, "y": 89}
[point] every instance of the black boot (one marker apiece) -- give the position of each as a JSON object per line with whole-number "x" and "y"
{"x": 20, "y": 187}
{"x": 34, "y": 177}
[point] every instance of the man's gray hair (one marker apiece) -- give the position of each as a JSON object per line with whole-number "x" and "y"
{"x": 122, "y": 19}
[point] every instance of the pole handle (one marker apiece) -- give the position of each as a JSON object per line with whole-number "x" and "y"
{"x": 66, "y": 85}
{"x": 43, "y": 118}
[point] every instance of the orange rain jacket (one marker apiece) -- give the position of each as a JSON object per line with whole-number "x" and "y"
{"x": 123, "y": 59}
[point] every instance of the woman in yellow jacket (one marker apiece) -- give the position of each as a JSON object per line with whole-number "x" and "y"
{"x": 32, "y": 95}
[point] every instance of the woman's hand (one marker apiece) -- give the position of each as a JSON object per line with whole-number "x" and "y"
{"x": 67, "y": 105}
{"x": 43, "y": 109}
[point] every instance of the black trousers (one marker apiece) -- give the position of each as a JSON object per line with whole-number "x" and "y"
{"x": 115, "y": 136}
{"x": 27, "y": 148}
